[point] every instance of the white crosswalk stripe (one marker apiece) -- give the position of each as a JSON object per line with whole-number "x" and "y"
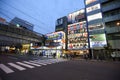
{"x": 38, "y": 62}
{"x": 32, "y": 63}
{"x": 6, "y": 69}
{"x": 26, "y": 65}
{"x": 17, "y": 66}
{"x": 45, "y": 62}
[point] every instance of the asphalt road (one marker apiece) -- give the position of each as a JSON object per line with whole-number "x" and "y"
{"x": 64, "y": 70}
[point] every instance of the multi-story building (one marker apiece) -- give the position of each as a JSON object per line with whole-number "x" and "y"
{"x": 103, "y": 21}
{"x": 61, "y": 25}
{"x": 13, "y": 37}
{"x": 77, "y": 33}
{"x": 111, "y": 18}
{"x": 22, "y": 23}
{"x": 96, "y": 27}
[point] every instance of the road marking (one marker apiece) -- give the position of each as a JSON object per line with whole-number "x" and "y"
{"x": 37, "y": 62}
{"x": 31, "y": 63}
{"x": 26, "y": 65}
{"x": 6, "y": 69}
{"x": 17, "y": 66}
{"x": 44, "y": 62}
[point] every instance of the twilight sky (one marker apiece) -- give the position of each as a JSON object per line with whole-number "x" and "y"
{"x": 41, "y": 13}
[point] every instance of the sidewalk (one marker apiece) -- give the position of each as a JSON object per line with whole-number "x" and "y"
{"x": 95, "y": 60}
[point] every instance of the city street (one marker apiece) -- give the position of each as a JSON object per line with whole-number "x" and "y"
{"x": 57, "y": 69}
{"x": 60, "y": 40}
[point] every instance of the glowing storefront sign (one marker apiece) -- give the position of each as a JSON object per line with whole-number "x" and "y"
{"x": 97, "y": 40}
{"x": 92, "y": 8}
{"x": 55, "y": 39}
{"x": 75, "y": 16}
{"x": 95, "y": 27}
{"x": 55, "y": 36}
{"x": 94, "y": 17}
{"x": 89, "y": 1}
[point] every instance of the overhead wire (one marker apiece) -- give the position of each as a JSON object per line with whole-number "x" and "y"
{"x": 8, "y": 16}
{"x": 26, "y": 15}
{"x": 5, "y": 15}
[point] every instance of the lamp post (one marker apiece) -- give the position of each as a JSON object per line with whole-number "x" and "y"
{"x": 118, "y": 24}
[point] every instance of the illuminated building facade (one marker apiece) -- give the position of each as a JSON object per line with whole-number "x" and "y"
{"x": 55, "y": 43}
{"x": 77, "y": 33}
{"x": 13, "y": 38}
{"x": 96, "y": 27}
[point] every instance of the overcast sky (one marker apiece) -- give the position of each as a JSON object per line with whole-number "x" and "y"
{"x": 41, "y": 13}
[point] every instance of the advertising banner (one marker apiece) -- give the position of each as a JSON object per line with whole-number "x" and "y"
{"x": 89, "y": 1}
{"x": 97, "y": 40}
{"x": 55, "y": 36}
{"x": 92, "y": 8}
{"x": 94, "y": 17}
{"x": 75, "y": 16}
{"x": 55, "y": 39}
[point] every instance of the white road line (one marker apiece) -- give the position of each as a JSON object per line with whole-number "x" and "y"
{"x": 6, "y": 69}
{"x": 44, "y": 62}
{"x": 37, "y": 62}
{"x": 17, "y": 66}
{"x": 31, "y": 63}
{"x": 26, "y": 65}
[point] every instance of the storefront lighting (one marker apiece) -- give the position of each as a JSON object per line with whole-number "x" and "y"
{"x": 118, "y": 23}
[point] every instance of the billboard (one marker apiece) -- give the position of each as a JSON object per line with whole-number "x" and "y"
{"x": 55, "y": 39}
{"x": 94, "y": 17}
{"x": 76, "y": 16}
{"x": 89, "y": 1}
{"x": 55, "y": 36}
{"x": 97, "y": 40}
{"x": 96, "y": 27}
{"x": 92, "y": 8}
{"x": 59, "y": 21}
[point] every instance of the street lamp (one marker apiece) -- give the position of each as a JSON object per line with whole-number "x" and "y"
{"x": 118, "y": 23}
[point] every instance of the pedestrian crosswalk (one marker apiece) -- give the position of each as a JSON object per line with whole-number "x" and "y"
{"x": 17, "y": 66}
{"x": 24, "y": 65}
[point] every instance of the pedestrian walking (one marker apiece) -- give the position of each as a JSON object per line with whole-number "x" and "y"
{"x": 113, "y": 56}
